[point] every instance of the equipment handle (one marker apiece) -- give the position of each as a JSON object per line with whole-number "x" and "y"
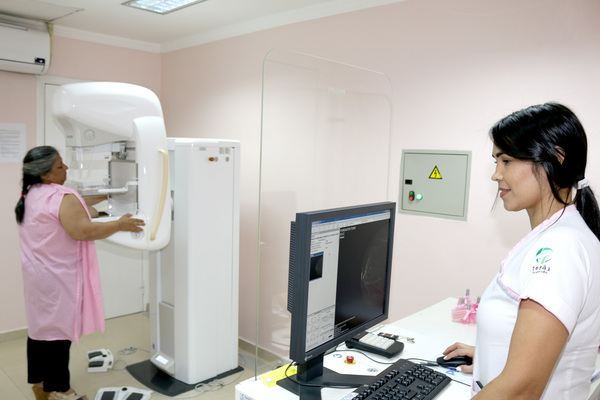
{"x": 163, "y": 193}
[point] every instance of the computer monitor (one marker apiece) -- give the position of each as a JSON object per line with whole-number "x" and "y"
{"x": 339, "y": 285}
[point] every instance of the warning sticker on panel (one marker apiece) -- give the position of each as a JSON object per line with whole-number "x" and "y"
{"x": 435, "y": 174}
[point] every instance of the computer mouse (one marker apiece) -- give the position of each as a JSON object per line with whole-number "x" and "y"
{"x": 454, "y": 361}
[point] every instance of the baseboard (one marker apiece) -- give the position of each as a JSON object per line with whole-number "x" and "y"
{"x": 262, "y": 354}
{"x": 13, "y": 335}
{"x": 243, "y": 345}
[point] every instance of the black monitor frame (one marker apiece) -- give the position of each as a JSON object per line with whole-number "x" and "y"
{"x": 311, "y": 374}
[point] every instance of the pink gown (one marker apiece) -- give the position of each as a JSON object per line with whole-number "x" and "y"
{"x": 63, "y": 297}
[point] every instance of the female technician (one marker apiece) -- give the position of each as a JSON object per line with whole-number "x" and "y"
{"x": 538, "y": 323}
{"x": 60, "y": 270}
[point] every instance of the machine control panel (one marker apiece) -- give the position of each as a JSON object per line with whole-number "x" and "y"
{"x": 435, "y": 183}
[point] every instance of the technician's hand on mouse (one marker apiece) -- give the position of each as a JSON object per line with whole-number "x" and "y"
{"x": 128, "y": 224}
{"x": 461, "y": 349}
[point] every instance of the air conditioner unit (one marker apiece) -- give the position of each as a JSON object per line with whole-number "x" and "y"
{"x": 24, "y": 49}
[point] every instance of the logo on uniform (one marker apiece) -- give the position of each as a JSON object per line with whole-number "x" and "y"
{"x": 542, "y": 261}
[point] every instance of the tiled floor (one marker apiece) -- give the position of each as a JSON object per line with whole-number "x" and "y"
{"x": 131, "y": 331}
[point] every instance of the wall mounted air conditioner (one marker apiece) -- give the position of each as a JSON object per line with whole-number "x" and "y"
{"x": 24, "y": 49}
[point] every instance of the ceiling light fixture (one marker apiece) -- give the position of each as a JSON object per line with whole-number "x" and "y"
{"x": 161, "y": 6}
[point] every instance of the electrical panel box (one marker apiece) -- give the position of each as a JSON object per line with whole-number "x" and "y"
{"x": 435, "y": 183}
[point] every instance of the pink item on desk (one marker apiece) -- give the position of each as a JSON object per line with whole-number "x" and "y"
{"x": 465, "y": 312}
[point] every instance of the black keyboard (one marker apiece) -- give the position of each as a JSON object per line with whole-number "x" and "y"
{"x": 402, "y": 380}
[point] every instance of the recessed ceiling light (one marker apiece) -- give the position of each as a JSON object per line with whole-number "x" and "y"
{"x": 161, "y": 6}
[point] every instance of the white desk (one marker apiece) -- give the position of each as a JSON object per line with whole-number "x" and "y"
{"x": 432, "y": 330}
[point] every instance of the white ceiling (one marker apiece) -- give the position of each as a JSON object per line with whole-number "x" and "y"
{"x": 110, "y": 22}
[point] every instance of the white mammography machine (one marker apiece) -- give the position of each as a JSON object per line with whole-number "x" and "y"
{"x": 117, "y": 146}
{"x": 194, "y": 281}
{"x": 187, "y": 191}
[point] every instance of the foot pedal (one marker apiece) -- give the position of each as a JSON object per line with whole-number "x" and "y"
{"x": 123, "y": 393}
{"x": 100, "y": 360}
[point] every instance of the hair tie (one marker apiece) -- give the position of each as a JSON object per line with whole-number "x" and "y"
{"x": 22, "y": 195}
{"x": 583, "y": 183}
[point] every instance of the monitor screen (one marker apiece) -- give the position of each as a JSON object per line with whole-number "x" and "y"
{"x": 339, "y": 279}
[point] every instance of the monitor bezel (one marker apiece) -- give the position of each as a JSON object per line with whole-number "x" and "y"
{"x": 298, "y": 279}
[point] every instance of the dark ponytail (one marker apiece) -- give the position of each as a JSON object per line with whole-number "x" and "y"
{"x": 587, "y": 205}
{"x": 552, "y": 136}
{"x": 37, "y": 162}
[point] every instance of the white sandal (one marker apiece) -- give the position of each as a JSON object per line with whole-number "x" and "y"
{"x": 63, "y": 396}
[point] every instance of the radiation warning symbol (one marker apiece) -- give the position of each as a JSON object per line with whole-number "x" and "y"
{"x": 435, "y": 174}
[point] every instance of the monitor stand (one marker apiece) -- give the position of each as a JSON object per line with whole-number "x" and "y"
{"x": 312, "y": 376}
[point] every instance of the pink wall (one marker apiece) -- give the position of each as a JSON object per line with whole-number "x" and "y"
{"x": 456, "y": 66}
{"x": 76, "y": 59}
{"x": 71, "y": 59}
{"x": 17, "y": 106}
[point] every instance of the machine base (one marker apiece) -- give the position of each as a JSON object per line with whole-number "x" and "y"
{"x": 159, "y": 381}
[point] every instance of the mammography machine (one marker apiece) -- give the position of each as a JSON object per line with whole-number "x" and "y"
{"x": 194, "y": 280}
{"x": 187, "y": 191}
{"x": 117, "y": 147}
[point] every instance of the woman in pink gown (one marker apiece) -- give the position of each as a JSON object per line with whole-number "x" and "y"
{"x": 61, "y": 280}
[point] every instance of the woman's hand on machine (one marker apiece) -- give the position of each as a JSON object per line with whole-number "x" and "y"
{"x": 128, "y": 224}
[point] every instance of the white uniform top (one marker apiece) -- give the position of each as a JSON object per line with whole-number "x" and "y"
{"x": 557, "y": 265}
